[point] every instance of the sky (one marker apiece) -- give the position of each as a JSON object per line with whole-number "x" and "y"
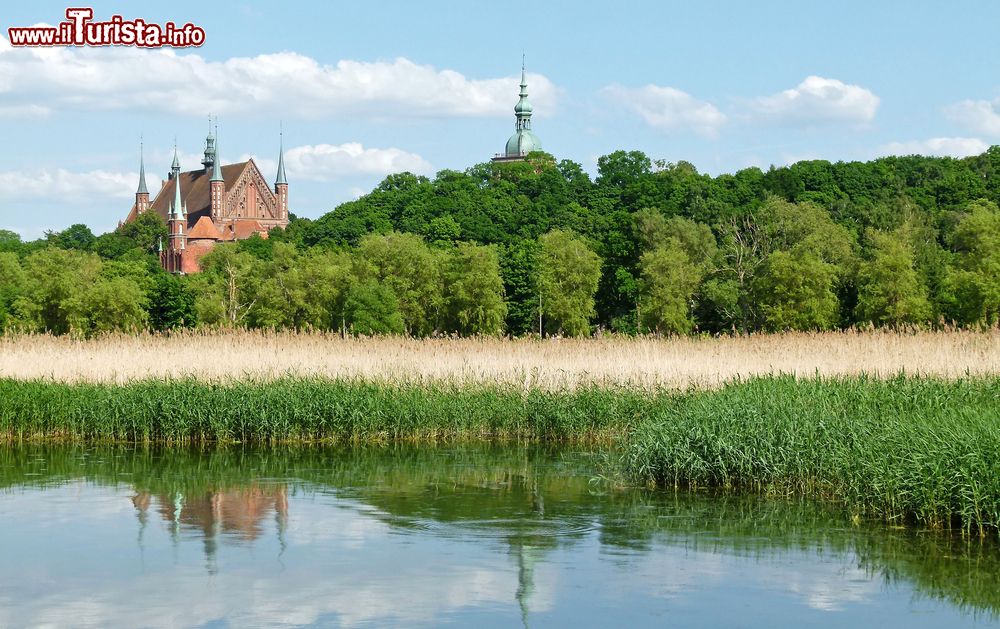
{"x": 365, "y": 89}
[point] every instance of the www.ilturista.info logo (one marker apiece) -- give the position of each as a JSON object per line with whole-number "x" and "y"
{"x": 79, "y": 29}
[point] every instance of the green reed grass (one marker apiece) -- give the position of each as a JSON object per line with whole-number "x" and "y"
{"x": 185, "y": 411}
{"x": 904, "y": 450}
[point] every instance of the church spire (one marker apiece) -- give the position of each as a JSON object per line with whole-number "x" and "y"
{"x": 177, "y": 208}
{"x": 216, "y": 161}
{"x": 280, "y": 178}
{"x": 175, "y": 167}
{"x": 142, "y": 172}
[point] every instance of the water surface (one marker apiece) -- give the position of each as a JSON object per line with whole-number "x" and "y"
{"x": 424, "y": 536}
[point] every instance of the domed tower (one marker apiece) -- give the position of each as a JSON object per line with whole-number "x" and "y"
{"x": 524, "y": 140}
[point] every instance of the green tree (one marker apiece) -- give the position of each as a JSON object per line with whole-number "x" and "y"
{"x": 54, "y": 298}
{"x": 146, "y": 233}
{"x": 76, "y": 236}
{"x": 371, "y": 308}
{"x": 171, "y": 303}
{"x": 568, "y": 276}
{"x": 669, "y": 280}
{"x": 795, "y": 291}
{"x": 10, "y": 241}
{"x": 115, "y": 304}
{"x": 226, "y": 289}
{"x": 976, "y": 239}
{"x": 12, "y": 285}
{"x": 407, "y": 265}
{"x": 474, "y": 290}
{"x": 890, "y": 291}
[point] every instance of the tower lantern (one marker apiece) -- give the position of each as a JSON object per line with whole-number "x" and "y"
{"x": 524, "y": 140}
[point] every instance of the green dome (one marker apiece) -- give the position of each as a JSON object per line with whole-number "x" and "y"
{"x": 523, "y": 106}
{"x": 522, "y": 142}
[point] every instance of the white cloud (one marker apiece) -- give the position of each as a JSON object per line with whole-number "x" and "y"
{"x": 952, "y": 147}
{"x": 818, "y": 100}
{"x": 36, "y": 80}
{"x": 979, "y": 116}
{"x": 669, "y": 109}
{"x": 67, "y": 186}
{"x": 328, "y": 162}
{"x": 24, "y": 111}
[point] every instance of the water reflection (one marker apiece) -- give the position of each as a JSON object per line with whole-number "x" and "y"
{"x": 423, "y": 536}
{"x": 238, "y": 512}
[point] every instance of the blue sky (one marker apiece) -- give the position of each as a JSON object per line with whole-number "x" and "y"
{"x": 365, "y": 89}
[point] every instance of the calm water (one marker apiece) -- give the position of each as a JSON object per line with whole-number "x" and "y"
{"x": 418, "y": 536}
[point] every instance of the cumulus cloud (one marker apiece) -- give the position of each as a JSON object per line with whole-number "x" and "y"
{"x": 67, "y": 186}
{"x": 328, "y": 162}
{"x": 34, "y": 81}
{"x": 818, "y": 100}
{"x": 668, "y": 108}
{"x": 950, "y": 147}
{"x": 979, "y": 116}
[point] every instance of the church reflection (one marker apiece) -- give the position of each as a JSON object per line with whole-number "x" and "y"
{"x": 238, "y": 514}
{"x": 241, "y": 515}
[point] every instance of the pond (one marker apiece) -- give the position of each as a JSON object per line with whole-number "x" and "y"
{"x": 445, "y": 536}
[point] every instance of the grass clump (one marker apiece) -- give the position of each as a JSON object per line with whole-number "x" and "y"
{"x": 905, "y": 450}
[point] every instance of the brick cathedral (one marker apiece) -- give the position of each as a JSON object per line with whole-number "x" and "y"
{"x": 214, "y": 204}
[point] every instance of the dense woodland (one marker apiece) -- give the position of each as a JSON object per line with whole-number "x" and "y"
{"x": 645, "y": 247}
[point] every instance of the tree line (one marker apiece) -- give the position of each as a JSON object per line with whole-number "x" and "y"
{"x": 540, "y": 246}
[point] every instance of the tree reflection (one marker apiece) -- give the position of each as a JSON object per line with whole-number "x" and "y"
{"x": 523, "y": 501}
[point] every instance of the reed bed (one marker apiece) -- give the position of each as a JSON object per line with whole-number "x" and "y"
{"x": 549, "y": 364}
{"x": 305, "y": 410}
{"x": 903, "y": 450}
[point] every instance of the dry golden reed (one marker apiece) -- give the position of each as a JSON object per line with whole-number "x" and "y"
{"x": 547, "y": 364}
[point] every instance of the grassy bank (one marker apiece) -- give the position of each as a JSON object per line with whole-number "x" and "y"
{"x": 905, "y": 449}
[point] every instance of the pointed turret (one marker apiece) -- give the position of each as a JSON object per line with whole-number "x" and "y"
{"x": 216, "y": 164}
{"x": 142, "y": 173}
{"x": 141, "y": 193}
{"x": 175, "y": 166}
{"x": 217, "y": 185}
{"x": 176, "y": 221}
{"x": 280, "y": 178}
{"x": 177, "y": 191}
{"x": 280, "y": 182}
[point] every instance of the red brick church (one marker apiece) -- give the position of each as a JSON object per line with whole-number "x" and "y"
{"x": 214, "y": 204}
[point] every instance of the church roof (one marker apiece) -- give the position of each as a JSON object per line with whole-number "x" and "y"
{"x": 195, "y": 189}
{"x": 246, "y": 228}
{"x": 204, "y": 229}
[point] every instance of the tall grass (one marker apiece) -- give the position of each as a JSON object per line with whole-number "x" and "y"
{"x": 905, "y": 450}
{"x": 292, "y": 409}
{"x": 551, "y": 364}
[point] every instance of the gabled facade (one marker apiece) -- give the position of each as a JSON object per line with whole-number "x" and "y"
{"x": 215, "y": 204}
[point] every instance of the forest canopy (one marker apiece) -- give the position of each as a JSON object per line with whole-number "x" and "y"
{"x": 514, "y": 248}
